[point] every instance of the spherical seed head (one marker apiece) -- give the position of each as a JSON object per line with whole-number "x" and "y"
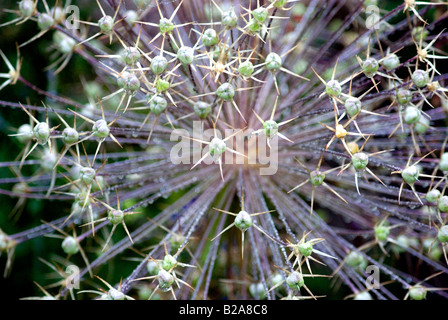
{"x": 130, "y": 55}
{"x": 168, "y": 262}
{"x": 442, "y": 235}
{"x": 356, "y": 260}
{"x": 243, "y": 221}
{"x": 45, "y": 21}
{"x": 162, "y": 85}
{"x": 257, "y": 291}
{"x": 422, "y": 125}
{"x": 333, "y": 88}
{"x": 158, "y": 105}
{"x": 229, "y": 18}
{"x": 443, "y": 163}
{"x": 305, "y": 248}
{"x": 360, "y": 160}
{"x": 417, "y": 292}
{"x": 202, "y": 109}
{"x": 25, "y": 133}
{"x": 370, "y": 67}
{"x": 27, "y": 8}
{"x": 70, "y": 135}
{"x": 363, "y": 296}
{"x": 210, "y": 37}
{"x": 404, "y": 96}
{"x": 158, "y": 64}
{"x": 410, "y": 174}
{"x": 340, "y": 131}
{"x": 382, "y": 232}
{"x": 185, "y": 55}
{"x": 100, "y": 129}
{"x": 295, "y": 280}
{"x": 420, "y": 78}
{"x": 412, "y": 115}
{"x": 433, "y": 196}
{"x": 352, "y": 106}
{"x": 260, "y": 14}
{"x": 114, "y": 294}
{"x": 391, "y": 61}
{"x": 41, "y": 132}
{"x": 70, "y": 245}
{"x": 152, "y": 268}
{"x": 270, "y": 128}
{"x": 165, "y": 280}
{"x": 246, "y": 68}
{"x": 226, "y": 91}
{"x": 217, "y": 147}
{"x": 273, "y": 61}
{"x": 443, "y": 204}
{"x": 115, "y": 216}
{"x": 165, "y": 26}
{"x": 317, "y": 177}
{"x": 106, "y": 24}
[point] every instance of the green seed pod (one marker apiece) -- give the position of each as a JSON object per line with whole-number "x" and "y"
{"x": 404, "y": 96}
{"x": 48, "y": 160}
{"x": 106, "y": 24}
{"x": 114, "y": 294}
{"x": 226, "y": 91}
{"x": 254, "y": 26}
{"x": 246, "y": 68}
{"x": 381, "y": 232}
{"x": 100, "y": 129}
{"x": 25, "y": 133}
{"x": 352, "y": 106}
{"x": 130, "y": 55}
{"x": 45, "y": 21}
{"x": 41, "y": 133}
{"x": 279, "y": 3}
{"x": 391, "y": 61}
{"x": 370, "y": 67}
{"x": 333, "y": 88}
{"x": 217, "y": 147}
{"x": 273, "y": 61}
{"x": 410, "y": 174}
{"x": 418, "y": 34}
{"x": 412, "y": 115}
{"x": 70, "y": 245}
{"x": 270, "y": 128}
{"x": 363, "y": 296}
{"x": 433, "y": 196}
{"x": 165, "y": 26}
{"x": 257, "y": 291}
{"x": 243, "y": 221}
{"x": 260, "y": 14}
{"x": 185, "y": 55}
{"x": 417, "y": 292}
{"x": 129, "y": 82}
{"x": 420, "y": 78}
{"x": 422, "y": 125}
{"x": 131, "y": 17}
{"x": 58, "y": 14}
{"x": 70, "y": 135}
{"x": 115, "y": 216}
{"x": 202, "y": 109}
{"x": 229, "y": 19}
{"x": 295, "y": 280}
{"x": 165, "y": 280}
{"x": 360, "y": 160}
{"x": 81, "y": 197}
{"x": 356, "y": 260}
{"x": 168, "y": 262}
{"x": 158, "y": 105}
{"x": 317, "y": 177}
{"x": 27, "y": 8}
{"x": 87, "y": 175}
{"x": 305, "y": 248}
{"x": 443, "y": 204}
{"x": 63, "y": 42}
{"x": 443, "y": 163}
{"x": 210, "y": 37}
{"x": 158, "y": 64}
{"x": 442, "y": 235}
{"x": 152, "y": 268}
{"x": 276, "y": 278}
{"x": 162, "y": 85}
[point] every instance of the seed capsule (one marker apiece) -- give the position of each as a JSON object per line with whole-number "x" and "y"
{"x": 333, "y": 88}
{"x": 185, "y": 55}
{"x": 45, "y": 21}
{"x": 411, "y": 115}
{"x": 130, "y": 55}
{"x": 225, "y": 91}
{"x": 162, "y": 85}
{"x": 305, "y": 248}
{"x": 317, "y": 177}
{"x": 229, "y": 19}
{"x": 70, "y": 245}
{"x": 420, "y": 78}
{"x": 370, "y": 67}
{"x": 260, "y": 14}
{"x": 442, "y": 235}
{"x": 391, "y": 61}
{"x": 165, "y": 280}
{"x": 246, "y": 68}
{"x": 443, "y": 204}
{"x": 106, "y": 24}
{"x": 41, "y": 132}
{"x": 273, "y": 61}
{"x": 443, "y": 163}
{"x": 356, "y": 260}
{"x": 158, "y": 104}
{"x": 243, "y": 221}
{"x": 115, "y": 216}
{"x": 158, "y": 64}
{"x": 381, "y": 232}
{"x": 295, "y": 280}
{"x": 165, "y": 26}
{"x": 360, "y": 160}
{"x": 27, "y": 8}
{"x": 433, "y": 196}
{"x": 410, "y": 174}
{"x": 417, "y": 292}
{"x": 404, "y": 96}
{"x": 352, "y": 106}
{"x": 217, "y": 147}
{"x": 70, "y": 135}
{"x": 168, "y": 262}
{"x": 270, "y": 128}
{"x": 210, "y": 37}
{"x": 202, "y": 109}
{"x": 100, "y": 129}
